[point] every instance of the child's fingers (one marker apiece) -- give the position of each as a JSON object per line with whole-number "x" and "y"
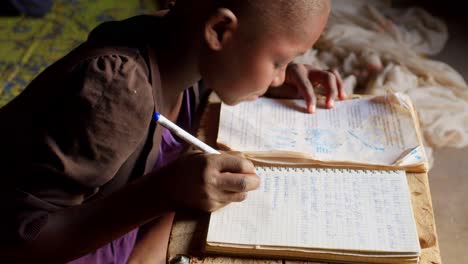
{"x": 236, "y": 182}
{"x": 339, "y": 83}
{"x": 304, "y": 86}
{"x": 223, "y": 199}
{"x": 234, "y": 162}
{"x": 330, "y": 82}
{"x": 306, "y": 89}
{"x": 229, "y": 197}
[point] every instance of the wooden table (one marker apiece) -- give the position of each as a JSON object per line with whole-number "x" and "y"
{"x": 189, "y": 229}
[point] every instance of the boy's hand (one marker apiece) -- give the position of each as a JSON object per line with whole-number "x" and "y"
{"x": 302, "y": 79}
{"x": 209, "y": 181}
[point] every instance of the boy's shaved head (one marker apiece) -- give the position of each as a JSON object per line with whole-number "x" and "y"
{"x": 269, "y": 16}
{"x": 276, "y": 15}
{"x": 276, "y": 12}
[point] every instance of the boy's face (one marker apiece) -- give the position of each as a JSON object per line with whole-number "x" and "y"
{"x": 244, "y": 69}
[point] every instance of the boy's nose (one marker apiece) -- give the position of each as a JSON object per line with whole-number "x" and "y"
{"x": 279, "y": 79}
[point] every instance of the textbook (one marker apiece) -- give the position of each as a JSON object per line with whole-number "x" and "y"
{"x": 333, "y": 183}
{"x": 380, "y": 132}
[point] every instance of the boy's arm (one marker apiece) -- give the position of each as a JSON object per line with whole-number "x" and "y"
{"x": 75, "y": 231}
{"x": 208, "y": 181}
{"x": 151, "y": 246}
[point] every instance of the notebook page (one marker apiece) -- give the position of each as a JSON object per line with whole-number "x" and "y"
{"x": 323, "y": 209}
{"x": 370, "y": 131}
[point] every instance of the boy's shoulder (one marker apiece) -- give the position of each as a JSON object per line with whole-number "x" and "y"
{"x": 129, "y": 38}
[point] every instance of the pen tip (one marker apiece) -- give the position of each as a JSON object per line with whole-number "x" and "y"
{"x": 156, "y": 116}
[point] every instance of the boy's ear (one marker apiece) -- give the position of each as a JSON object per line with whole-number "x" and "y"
{"x": 219, "y": 28}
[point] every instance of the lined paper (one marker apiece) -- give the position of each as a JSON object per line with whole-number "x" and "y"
{"x": 362, "y": 210}
{"x": 375, "y": 130}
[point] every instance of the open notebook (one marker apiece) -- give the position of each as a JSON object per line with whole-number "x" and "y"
{"x": 376, "y": 133}
{"x": 361, "y": 216}
{"x": 355, "y": 208}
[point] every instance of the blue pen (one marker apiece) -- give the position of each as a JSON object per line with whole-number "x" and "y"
{"x": 183, "y": 134}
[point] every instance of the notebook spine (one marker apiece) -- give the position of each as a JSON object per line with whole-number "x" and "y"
{"x": 323, "y": 170}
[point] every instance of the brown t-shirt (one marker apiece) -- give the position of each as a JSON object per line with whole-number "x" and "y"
{"x": 83, "y": 128}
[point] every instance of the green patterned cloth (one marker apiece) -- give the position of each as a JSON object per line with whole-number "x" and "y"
{"x": 28, "y": 45}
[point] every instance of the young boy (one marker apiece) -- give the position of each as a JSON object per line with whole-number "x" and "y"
{"x": 83, "y": 164}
